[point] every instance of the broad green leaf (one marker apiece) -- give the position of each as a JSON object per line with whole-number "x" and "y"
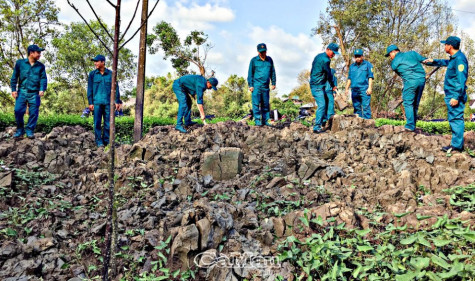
{"x": 406, "y": 277}
{"x": 364, "y": 248}
{"x": 432, "y": 276}
{"x": 421, "y": 239}
{"x": 441, "y": 242}
{"x": 363, "y": 232}
{"x": 420, "y": 263}
{"x": 409, "y": 240}
{"x": 454, "y": 271}
{"x": 440, "y": 262}
{"x": 401, "y": 215}
{"x": 458, "y": 257}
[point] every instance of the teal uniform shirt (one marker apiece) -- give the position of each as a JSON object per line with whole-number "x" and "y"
{"x": 321, "y": 72}
{"x": 456, "y": 76}
{"x": 408, "y": 66}
{"x": 29, "y": 78}
{"x": 359, "y": 74}
{"x": 328, "y": 87}
{"x": 99, "y": 87}
{"x": 261, "y": 72}
{"x": 194, "y": 85}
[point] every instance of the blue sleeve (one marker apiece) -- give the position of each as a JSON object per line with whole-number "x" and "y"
{"x": 199, "y": 92}
{"x": 370, "y": 71}
{"x": 15, "y": 76}
{"x": 328, "y": 72}
{"x": 349, "y": 73}
{"x": 335, "y": 81}
{"x": 117, "y": 94}
{"x": 462, "y": 74}
{"x": 272, "y": 75}
{"x": 250, "y": 74}
{"x": 43, "y": 79}
{"x": 419, "y": 57}
{"x": 90, "y": 87}
{"x": 314, "y": 67}
{"x": 439, "y": 63}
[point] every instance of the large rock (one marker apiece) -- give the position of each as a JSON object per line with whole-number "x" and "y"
{"x": 224, "y": 164}
{"x": 185, "y": 242}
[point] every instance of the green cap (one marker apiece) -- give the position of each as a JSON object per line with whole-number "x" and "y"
{"x": 358, "y": 52}
{"x": 261, "y": 47}
{"x": 453, "y": 41}
{"x": 214, "y": 82}
{"x": 334, "y": 47}
{"x": 391, "y": 48}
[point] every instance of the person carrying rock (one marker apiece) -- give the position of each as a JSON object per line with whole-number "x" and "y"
{"x": 185, "y": 87}
{"x": 455, "y": 88}
{"x": 360, "y": 78}
{"x": 98, "y": 95}
{"x": 30, "y": 76}
{"x": 330, "y": 98}
{"x": 319, "y": 75}
{"x": 408, "y": 66}
{"x": 261, "y": 73}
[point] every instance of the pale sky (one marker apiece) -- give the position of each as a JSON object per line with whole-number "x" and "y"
{"x": 235, "y": 27}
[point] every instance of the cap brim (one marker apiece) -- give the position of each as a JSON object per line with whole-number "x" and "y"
{"x": 214, "y": 88}
{"x": 335, "y": 52}
{"x": 94, "y": 60}
{"x": 443, "y": 42}
{"x": 387, "y": 55}
{"x": 262, "y": 50}
{"x": 41, "y": 50}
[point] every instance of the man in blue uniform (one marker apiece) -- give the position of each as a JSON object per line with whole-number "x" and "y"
{"x": 455, "y": 88}
{"x": 193, "y": 85}
{"x": 320, "y": 74}
{"x": 98, "y": 95}
{"x": 360, "y": 78}
{"x": 30, "y": 76}
{"x": 408, "y": 65}
{"x": 330, "y": 98}
{"x": 261, "y": 73}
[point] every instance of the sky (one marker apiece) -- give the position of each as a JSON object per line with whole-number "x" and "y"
{"x": 235, "y": 27}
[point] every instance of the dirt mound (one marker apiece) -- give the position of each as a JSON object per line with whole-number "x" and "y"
{"x": 225, "y": 188}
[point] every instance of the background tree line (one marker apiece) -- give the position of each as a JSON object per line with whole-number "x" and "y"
{"x": 368, "y": 24}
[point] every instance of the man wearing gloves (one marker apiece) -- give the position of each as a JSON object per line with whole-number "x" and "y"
{"x": 98, "y": 95}
{"x": 185, "y": 87}
{"x": 261, "y": 73}
{"x": 455, "y": 89}
{"x": 360, "y": 78}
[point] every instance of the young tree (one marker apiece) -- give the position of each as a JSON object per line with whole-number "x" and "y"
{"x": 193, "y": 50}
{"x": 118, "y": 38}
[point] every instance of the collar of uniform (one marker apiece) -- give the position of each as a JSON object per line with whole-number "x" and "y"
{"x": 106, "y": 71}
{"x": 455, "y": 55}
{"x": 28, "y": 62}
{"x": 259, "y": 58}
{"x": 363, "y": 62}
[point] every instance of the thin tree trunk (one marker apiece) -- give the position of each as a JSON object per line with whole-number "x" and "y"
{"x": 138, "y": 123}
{"x": 112, "y": 216}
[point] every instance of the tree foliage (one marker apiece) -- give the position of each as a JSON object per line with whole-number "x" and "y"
{"x": 24, "y": 22}
{"x": 71, "y": 56}
{"x": 373, "y": 25}
{"x": 193, "y": 50}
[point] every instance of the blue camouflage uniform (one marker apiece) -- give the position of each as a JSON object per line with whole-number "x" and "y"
{"x": 330, "y": 98}
{"x": 359, "y": 75}
{"x": 185, "y": 87}
{"x": 28, "y": 80}
{"x": 98, "y": 94}
{"x": 260, "y": 74}
{"x": 320, "y": 74}
{"x": 408, "y": 66}
{"x": 455, "y": 87}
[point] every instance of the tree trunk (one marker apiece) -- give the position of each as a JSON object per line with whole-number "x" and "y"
{"x": 138, "y": 123}
{"x": 111, "y": 228}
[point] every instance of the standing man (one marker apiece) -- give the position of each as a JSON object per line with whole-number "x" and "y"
{"x": 319, "y": 76}
{"x": 30, "y": 76}
{"x": 99, "y": 95}
{"x": 330, "y": 98}
{"x": 261, "y": 72}
{"x": 455, "y": 89}
{"x": 408, "y": 65}
{"x": 360, "y": 78}
{"x": 193, "y": 85}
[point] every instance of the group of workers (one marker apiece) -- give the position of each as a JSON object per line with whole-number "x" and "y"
{"x": 29, "y": 83}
